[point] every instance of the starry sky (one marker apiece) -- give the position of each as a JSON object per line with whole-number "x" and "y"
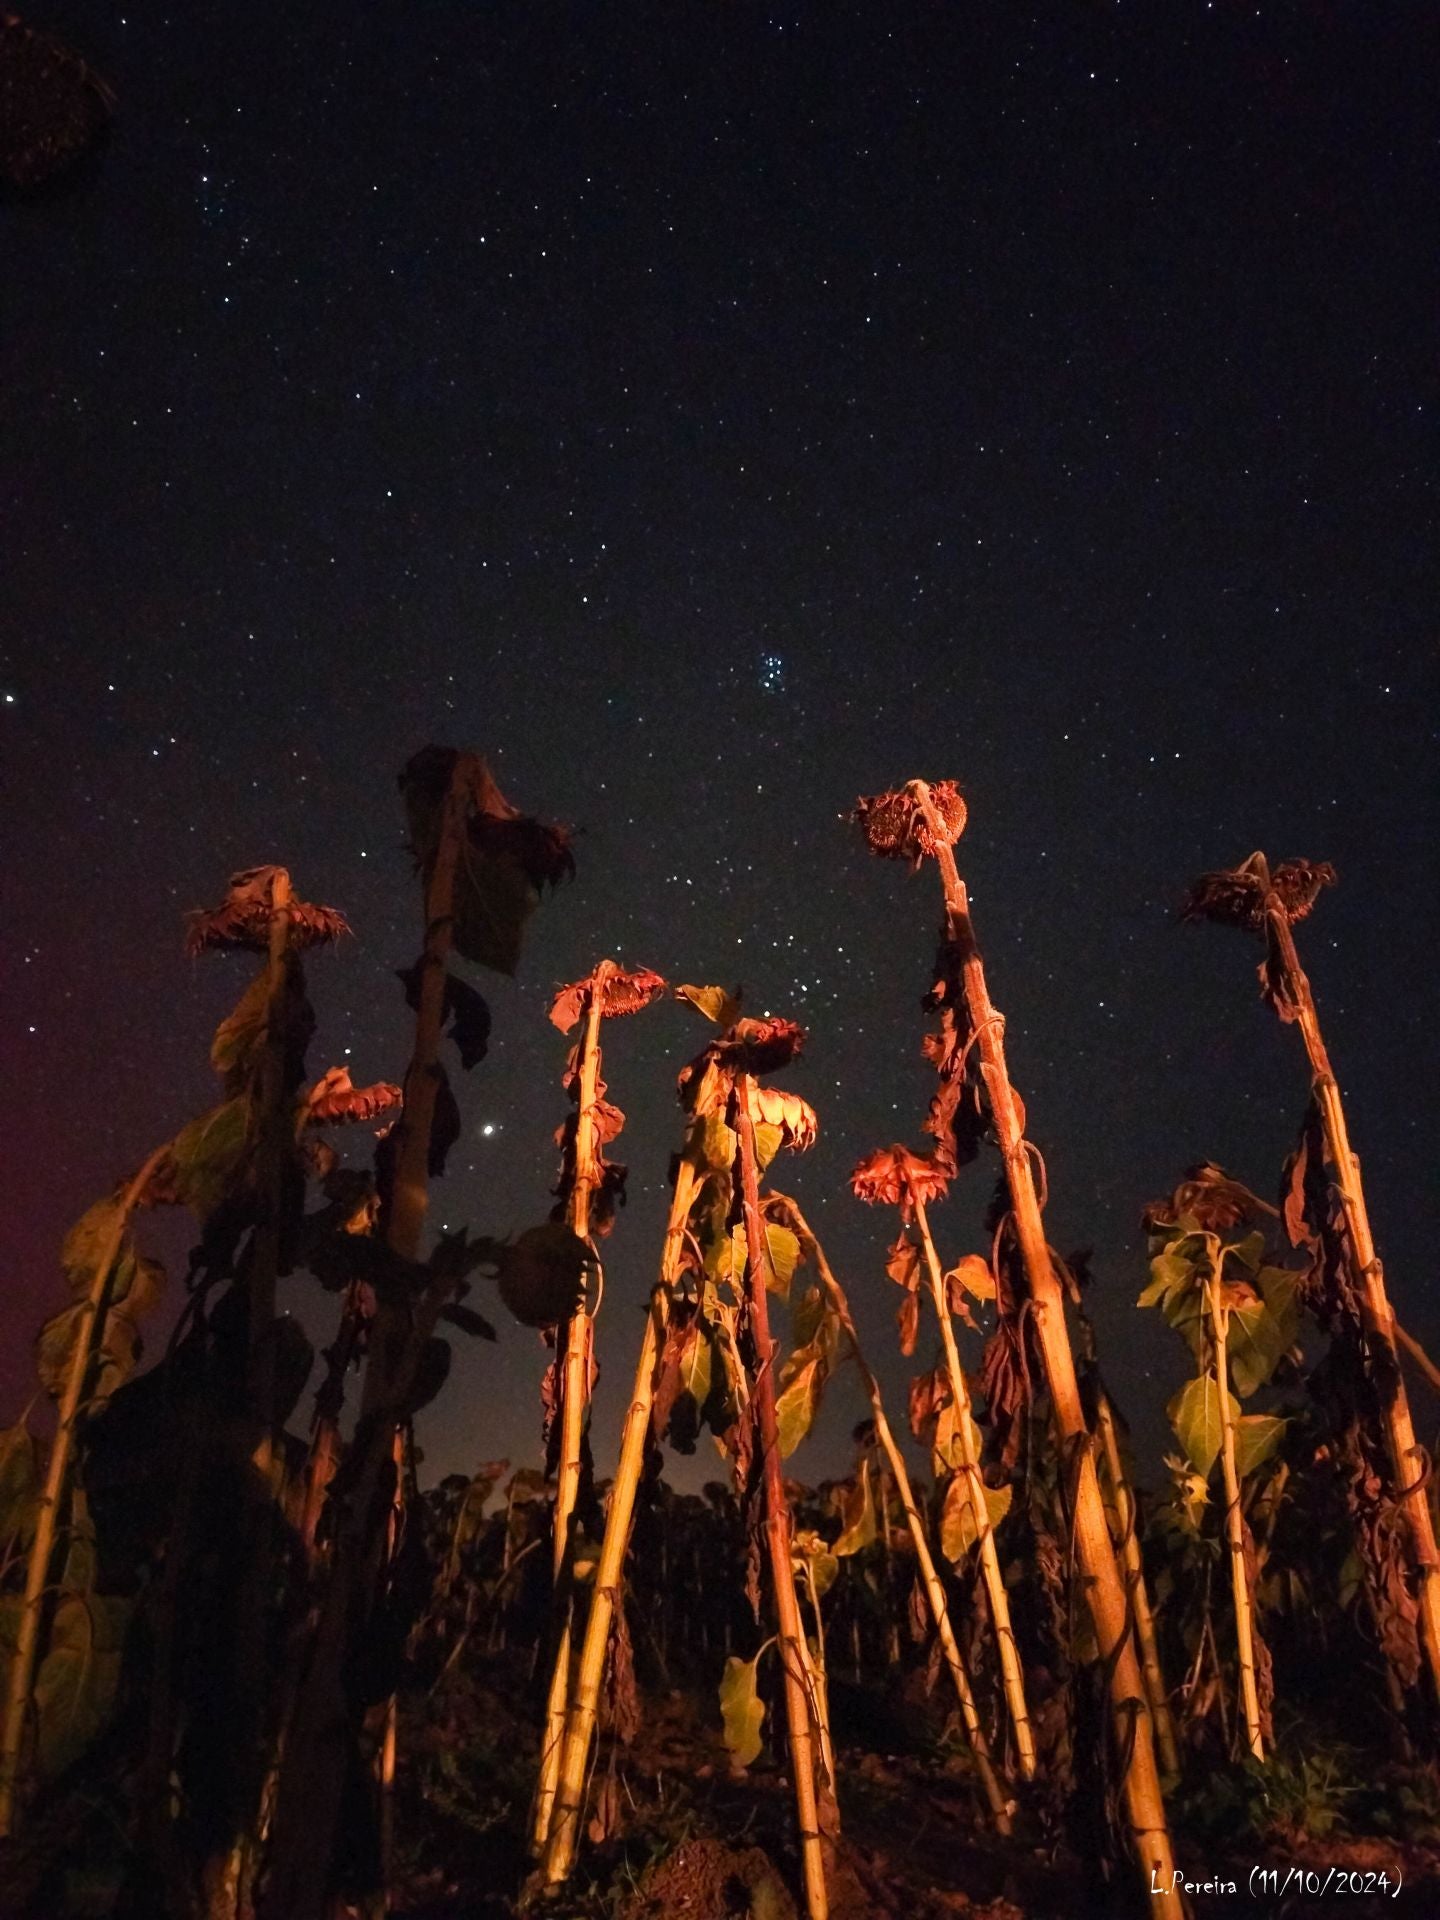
{"x": 712, "y": 413}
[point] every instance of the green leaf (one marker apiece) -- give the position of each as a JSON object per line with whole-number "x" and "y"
{"x": 697, "y": 1364}
{"x": 946, "y": 1446}
{"x": 209, "y": 1155}
{"x": 768, "y": 1142}
{"x": 1254, "y": 1343}
{"x": 782, "y": 1250}
{"x": 806, "y": 1314}
{"x": 19, "y": 1483}
{"x": 1168, "y": 1272}
{"x": 799, "y": 1402}
{"x": 957, "y": 1519}
{"x": 1257, "y": 1435}
{"x": 1249, "y": 1251}
{"x": 742, "y": 1710}
{"x": 84, "y": 1246}
{"x": 712, "y": 1145}
{"x": 714, "y": 1002}
{"x": 240, "y": 1036}
{"x": 1194, "y": 1413}
{"x": 77, "y": 1681}
{"x": 1277, "y": 1289}
{"x": 857, "y": 1512}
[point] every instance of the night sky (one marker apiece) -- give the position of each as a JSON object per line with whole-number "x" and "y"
{"x": 712, "y": 413}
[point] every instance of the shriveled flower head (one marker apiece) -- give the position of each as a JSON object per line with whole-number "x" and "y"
{"x": 895, "y": 825}
{"x": 759, "y": 1046}
{"x": 1208, "y": 1196}
{"x": 334, "y": 1101}
{"x": 242, "y": 919}
{"x": 622, "y": 993}
{"x": 1238, "y": 896}
{"x": 893, "y": 1176}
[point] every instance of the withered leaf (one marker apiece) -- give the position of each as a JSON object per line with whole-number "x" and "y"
{"x": 903, "y": 1264}
{"x": 445, "y": 1123}
{"x": 506, "y": 857}
{"x": 908, "y": 1321}
{"x": 468, "y": 1321}
{"x": 714, "y": 1002}
{"x": 465, "y": 1014}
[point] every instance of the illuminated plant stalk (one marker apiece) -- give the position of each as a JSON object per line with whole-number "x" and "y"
{"x": 791, "y": 1633}
{"x": 584, "y": 1705}
{"x": 1268, "y": 902}
{"x": 786, "y": 1209}
{"x": 575, "y": 1337}
{"x": 965, "y": 1436}
{"x": 908, "y": 824}
{"x": 20, "y": 1690}
{"x": 1217, "y": 1317}
{"x": 1127, "y": 1517}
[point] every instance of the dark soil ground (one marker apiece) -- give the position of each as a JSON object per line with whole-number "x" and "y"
{"x": 675, "y": 1835}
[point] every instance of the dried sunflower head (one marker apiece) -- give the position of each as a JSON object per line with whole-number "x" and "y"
{"x": 623, "y": 993}
{"x": 1239, "y": 896}
{"x": 892, "y": 1175}
{"x": 895, "y": 823}
{"x": 242, "y": 920}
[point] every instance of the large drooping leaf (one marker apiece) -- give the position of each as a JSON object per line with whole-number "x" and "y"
{"x": 77, "y": 1680}
{"x": 208, "y": 1157}
{"x": 1257, "y": 1435}
{"x": 464, "y": 1013}
{"x": 714, "y": 1002}
{"x": 1255, "y": 1341}
{"x": 857, "y": 1515}
{"x": 19, "y": 1486}
{"x": 240, "y": 1037}
{"x": 110, "y": 1337}
{"x": 742, "y": 1710}
{"x": 1194, "y": 1413}
{"x": 1278, "y": 1289}
{"x": 782, "y": 1255}
{"x": 957, "y": 1519}
{"x": 799, "y": 1400}
{"x": 506, "y": 858}
{"x": 710, "y": 1145}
